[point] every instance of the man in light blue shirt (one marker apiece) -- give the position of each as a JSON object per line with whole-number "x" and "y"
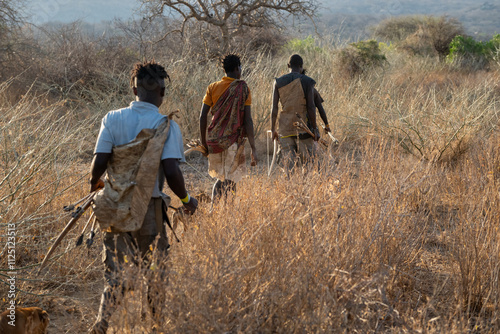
{"x": 120, "y": 127}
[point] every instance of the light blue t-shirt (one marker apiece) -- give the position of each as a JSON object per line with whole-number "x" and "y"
{"x": 121, "y": 126}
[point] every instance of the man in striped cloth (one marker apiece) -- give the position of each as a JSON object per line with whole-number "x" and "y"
{"x": 228, "y": 101}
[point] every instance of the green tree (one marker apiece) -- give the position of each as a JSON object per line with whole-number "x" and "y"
{"x": 467, "y": 52}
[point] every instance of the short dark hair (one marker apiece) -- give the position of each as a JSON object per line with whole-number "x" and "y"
{"x": 148, "y": 74}
{"x": 295, "y": 61}
{"x": 231, "y": 62}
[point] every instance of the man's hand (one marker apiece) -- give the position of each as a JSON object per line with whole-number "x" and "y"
{"x": 316, "y": 134}
{"x": 204, "y": 144}
{"x": 276, "y": 136}
{"x": 96, "y": 186}
{"x": 327, "y": 128}
{"x": 190, "y": 207}
{"x": 254, "y": 159}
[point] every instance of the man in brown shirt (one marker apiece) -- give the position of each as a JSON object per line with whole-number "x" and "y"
{"x": 295, "y": 91}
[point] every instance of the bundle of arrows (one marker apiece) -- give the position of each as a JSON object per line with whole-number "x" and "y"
{"x": 76, "y": 213}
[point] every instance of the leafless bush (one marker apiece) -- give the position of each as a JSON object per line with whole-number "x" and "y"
{"x": 10, "y": 20}
{"x": 421, "y": 34}
{"x": 359, "y": 58}
{"x": 419, "y": 43}
{"x": 69, "y": 62}
{"x": 398, "y": 28}
{"x": 260, "y": 40}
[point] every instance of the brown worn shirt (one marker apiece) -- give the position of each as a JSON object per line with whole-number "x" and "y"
{"x": 292, "y": 88}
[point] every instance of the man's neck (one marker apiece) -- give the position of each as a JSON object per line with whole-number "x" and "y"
{"x": 295, "y": 70}
{"x": 232, "y": 75}
{"x": 152, "y": 101}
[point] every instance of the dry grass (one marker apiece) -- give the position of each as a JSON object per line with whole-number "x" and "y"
{"x": 398, "y": 234}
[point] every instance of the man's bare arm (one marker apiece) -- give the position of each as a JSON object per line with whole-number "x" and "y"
{"x": 175, "y": 181}
{"x": 311, "y": 112}
{"x": 319, "y": 105}
{"x": 274, "y": 111}
{"x": 203, "y": 124}
{"x": 174, "y": 177}
{"x": 97, "y": 169}
{"x": 250, "y": 133}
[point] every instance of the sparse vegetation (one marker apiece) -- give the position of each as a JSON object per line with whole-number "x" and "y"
{"x": 397, "y": 233}
{"x": 421, "y": 35}
{"x": 360, "y": 57}
{"x": 469, "y": 53}
{"x": 303, "y": 46}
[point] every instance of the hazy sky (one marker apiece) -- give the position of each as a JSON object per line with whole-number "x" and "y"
{"x": 92, "y": 11}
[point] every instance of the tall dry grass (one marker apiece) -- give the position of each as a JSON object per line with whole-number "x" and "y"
{"x": 399, "y": 233}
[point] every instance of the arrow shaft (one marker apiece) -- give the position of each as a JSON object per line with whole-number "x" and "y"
{"x": 65, "y": 231}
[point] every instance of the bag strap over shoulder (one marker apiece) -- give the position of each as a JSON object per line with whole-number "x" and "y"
{"x": 148, "y": 169}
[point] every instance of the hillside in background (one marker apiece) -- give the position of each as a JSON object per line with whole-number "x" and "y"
{"x": 352, "y": 18}
{"x": 348, "y": 19}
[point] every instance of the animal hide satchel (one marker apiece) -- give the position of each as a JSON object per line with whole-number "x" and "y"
{"x": 131, "y": 176}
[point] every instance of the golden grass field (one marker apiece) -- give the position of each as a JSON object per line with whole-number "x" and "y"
{"x": 396, "y": 233}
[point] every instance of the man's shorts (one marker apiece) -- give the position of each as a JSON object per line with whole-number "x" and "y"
{"x": 293, "y": 147}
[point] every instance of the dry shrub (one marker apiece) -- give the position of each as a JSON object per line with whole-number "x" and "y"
{"x": 475, "y": 240}
{"x": 258, "y": 40}
{"x": 419, "y": 43}
{"x": 75, "y": 62}
{"x": 397, "y": 28}
{"x": 431, "y": 111}
{"x": 70, "y": 62}
{"x": 422, "y": 35}
{"x": 359, "y": 58}
{"x": 40, "y": 173}
{"x": 443, "y": 30}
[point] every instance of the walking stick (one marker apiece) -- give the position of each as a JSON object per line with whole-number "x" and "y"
{"x": 75, "y": 216}
{"x": 273, "y": 161}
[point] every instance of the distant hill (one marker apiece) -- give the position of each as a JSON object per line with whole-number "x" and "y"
{"x": 480, "y": 18}
{"x": 350, "y": 18}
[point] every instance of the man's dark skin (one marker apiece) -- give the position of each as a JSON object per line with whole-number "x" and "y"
{"x": 321, "y": 110}
{"x": 311, "y": 108}
{"x": 248, "y": 124}
{"x": 171, "y": 169}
